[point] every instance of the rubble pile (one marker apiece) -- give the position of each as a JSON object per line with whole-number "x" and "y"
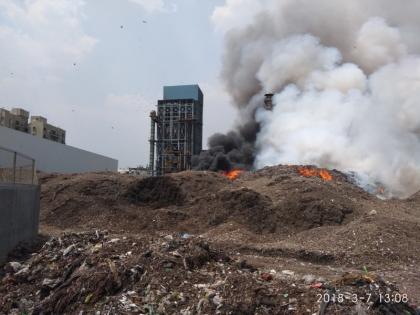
{"x": 101, "y": 273}
{"x": 274, "y": 241}
{"x": 97, "y": 271}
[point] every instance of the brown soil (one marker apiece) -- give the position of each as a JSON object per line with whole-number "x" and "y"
{"x": 274, "y": 218}
{"x": 197, "y": 202}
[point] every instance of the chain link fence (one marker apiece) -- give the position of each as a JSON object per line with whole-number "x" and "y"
{"x": 16, "y": 168}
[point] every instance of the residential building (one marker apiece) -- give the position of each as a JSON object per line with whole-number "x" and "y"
{"x": 16, "y": 119}
{"x": 51, "y": 156}
{"x": 39, "y": 127}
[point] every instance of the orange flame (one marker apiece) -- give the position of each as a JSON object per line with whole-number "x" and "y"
{"x": 234, "y": 174}
{"x": 325, "y": 175}
{"x": 380, "y": 190}
{"x": 314, "y": 172}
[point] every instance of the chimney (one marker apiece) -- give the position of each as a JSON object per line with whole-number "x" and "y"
{"x": 153, "y": 120}
{"x": 268, "y": 101}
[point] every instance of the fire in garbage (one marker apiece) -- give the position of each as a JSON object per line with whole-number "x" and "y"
{"x": 233, "y": 175}
{"x": 307, "y": 171}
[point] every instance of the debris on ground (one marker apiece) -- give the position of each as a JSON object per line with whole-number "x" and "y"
{"x": 365, "y": 294}
{"x": 173, "y": 275}
{"x": 272, "y": 241}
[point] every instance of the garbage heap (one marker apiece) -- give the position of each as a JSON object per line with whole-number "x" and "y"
{"x": 99, "y": 273}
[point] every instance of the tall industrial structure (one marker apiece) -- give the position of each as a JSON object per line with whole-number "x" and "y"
{"x": 176, "y": 129}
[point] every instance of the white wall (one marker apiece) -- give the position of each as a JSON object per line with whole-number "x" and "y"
{"x": 53, "y": 157}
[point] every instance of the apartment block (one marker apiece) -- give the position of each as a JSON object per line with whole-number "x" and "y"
{"x": 40, "y": 127}
{"x": 16, "y": 119}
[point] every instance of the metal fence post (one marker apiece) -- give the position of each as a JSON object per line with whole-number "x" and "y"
{"x": 11, "y": 174}
{"x": 33, "y": 172}
{"x": 14, "y": 167}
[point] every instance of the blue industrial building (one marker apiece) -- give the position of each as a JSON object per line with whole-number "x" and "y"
{"x": 176, "y": 129}
{"x": 183, "y": 92}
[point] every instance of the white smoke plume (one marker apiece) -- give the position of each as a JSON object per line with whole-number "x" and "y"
{"x": 346, "y": 78}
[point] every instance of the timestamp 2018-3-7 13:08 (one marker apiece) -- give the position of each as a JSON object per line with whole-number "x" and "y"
{"x": 341, "y": 298}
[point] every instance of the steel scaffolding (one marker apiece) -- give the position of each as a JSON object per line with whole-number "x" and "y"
{"x": 179, "y": 126}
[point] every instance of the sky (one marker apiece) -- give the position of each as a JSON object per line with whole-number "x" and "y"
{"x": 96, "y": 68}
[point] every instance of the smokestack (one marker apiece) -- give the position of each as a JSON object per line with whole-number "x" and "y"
{"x": 268, "y": 101}
{"x": 153, "y": 119}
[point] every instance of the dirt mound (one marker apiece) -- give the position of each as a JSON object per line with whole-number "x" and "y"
{"x": 155, "y": 191}
{"x": 244, "y": 206}
{"x": 196, "y": 185}
{"x": 275, "y": 210}
{"x": 305, "y": 210}
{"x": 277, "y": 180}
{"x": 122, "y": 202}
{"x": 300, "y": 203}
{"x": 275, "y": 200}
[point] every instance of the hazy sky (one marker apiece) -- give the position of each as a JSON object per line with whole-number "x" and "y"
{"x": 97, "y": 67}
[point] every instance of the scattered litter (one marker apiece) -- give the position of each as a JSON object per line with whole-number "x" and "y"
{"x": 185, "y": 235}
{"x": 308, "y": 279}
{"x": 68, "y": 250}
{"x": 15, "y": 266}
{"x": 266, "y": 276}
{"x": 317, "y": 285}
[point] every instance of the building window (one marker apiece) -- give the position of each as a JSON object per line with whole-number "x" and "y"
{"x": 34, "y": 132}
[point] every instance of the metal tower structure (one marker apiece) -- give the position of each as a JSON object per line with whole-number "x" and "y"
{"x": 176, "y": 129}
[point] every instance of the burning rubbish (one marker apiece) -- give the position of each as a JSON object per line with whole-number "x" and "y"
{"x": 318, "y": 81}
{"x": 308, "y": 171}
{"x": 233, "y": 175}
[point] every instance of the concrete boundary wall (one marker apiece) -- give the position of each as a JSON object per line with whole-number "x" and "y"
{"x": 54, "y": 157}
{"x": 19, "y": 215}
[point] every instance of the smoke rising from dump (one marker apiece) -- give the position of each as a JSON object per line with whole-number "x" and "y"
{"x": 346, "y": 79}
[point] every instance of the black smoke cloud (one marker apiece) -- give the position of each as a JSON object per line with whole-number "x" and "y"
{"x": 234, "y": 150}
{"x": 345, "y": 77}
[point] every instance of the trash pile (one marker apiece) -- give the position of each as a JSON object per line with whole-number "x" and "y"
{"x": 102, "y": 273}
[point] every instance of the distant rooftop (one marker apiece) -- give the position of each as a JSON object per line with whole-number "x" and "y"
{"x": 183, "y": 92}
